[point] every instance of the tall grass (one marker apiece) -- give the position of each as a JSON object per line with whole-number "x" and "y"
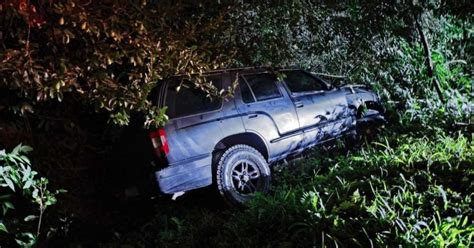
{"x": 398, "y": 191}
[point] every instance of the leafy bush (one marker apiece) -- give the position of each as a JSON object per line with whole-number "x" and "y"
{"x": 19, "y": 186}
{"x": 406, "y": 191}
{"x": 107, "y": 55}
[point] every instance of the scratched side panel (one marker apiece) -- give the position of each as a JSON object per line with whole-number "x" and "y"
{"x": 271, "y": 120}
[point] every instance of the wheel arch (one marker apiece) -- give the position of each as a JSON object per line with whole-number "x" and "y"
{"x": 369, "y": 105}
{"x": 247, "y": 138}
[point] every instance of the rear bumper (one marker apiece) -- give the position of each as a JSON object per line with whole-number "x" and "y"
{"x": 190, "y": 174}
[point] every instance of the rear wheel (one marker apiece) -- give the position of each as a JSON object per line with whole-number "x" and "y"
{"x": 241, "y": 172}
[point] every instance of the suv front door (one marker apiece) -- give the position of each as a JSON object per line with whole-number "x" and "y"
{"x": 319, "y": 109}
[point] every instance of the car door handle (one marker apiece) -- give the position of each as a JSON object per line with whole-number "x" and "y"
{"x": 252, "y": 116}
{"x": 299, "y": 104}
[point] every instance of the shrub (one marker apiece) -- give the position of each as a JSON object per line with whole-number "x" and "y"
{"x": 20, "y": 187}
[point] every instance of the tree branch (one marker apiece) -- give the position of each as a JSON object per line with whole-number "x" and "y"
{"x": 428, "y": 60}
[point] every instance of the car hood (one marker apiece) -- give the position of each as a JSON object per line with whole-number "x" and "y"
{"x": 360, "y": 92}
{"x": 357, "y": 88}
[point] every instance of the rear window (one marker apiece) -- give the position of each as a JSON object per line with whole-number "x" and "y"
{"x": 300, "y": 81}
{"x": 189, "y": 100}
{"x": 263, "y": 87}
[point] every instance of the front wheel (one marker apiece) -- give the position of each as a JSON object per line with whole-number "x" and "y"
{"x": 241, "y": 172}
{"x": 367, "y": 126}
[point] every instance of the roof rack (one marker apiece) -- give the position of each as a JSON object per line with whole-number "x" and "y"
{"x": 249, "y": 68}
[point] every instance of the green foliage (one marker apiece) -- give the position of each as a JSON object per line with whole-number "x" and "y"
{"x": 407, "y": 91}
{"x": 105, "y": 54}
{"x": 448, "y": 232}
{"x": 110, "y": 54}
{"x": 383, "y": 194}
{"x": 18, "y": 181}
{"x": 412, "y": 188}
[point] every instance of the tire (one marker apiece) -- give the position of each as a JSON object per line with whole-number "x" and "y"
{"x": 368, "y": 129}
{"x": 241, "y": 172}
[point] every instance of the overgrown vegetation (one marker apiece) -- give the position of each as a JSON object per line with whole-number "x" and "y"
{"x": 399, "y": 191}
{"x": 411, "y": 186}
{"x": 106, "y": 55}
{"x": 403, "y": 191}
{"x": 21, "y": 188}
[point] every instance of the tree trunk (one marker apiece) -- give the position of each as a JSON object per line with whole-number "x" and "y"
{"x": 428, "y": 61}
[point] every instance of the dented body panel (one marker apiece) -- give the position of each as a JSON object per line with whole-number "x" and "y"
{"x": 278, "y": 127}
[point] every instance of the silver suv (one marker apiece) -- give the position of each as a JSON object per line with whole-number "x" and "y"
{"x": 233, "y": 143}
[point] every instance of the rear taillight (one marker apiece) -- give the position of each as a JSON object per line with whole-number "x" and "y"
{"x": 160, "y": 143}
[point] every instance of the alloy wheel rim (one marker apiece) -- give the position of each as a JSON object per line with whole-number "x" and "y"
{"x": 245, "y": 177}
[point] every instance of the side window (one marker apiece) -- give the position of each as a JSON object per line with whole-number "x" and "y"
{"x": 263, "y": 86}
{"x": 300, "y": 81}
{"x": 189, "y": 100}
{"x": 247, "y": 96}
